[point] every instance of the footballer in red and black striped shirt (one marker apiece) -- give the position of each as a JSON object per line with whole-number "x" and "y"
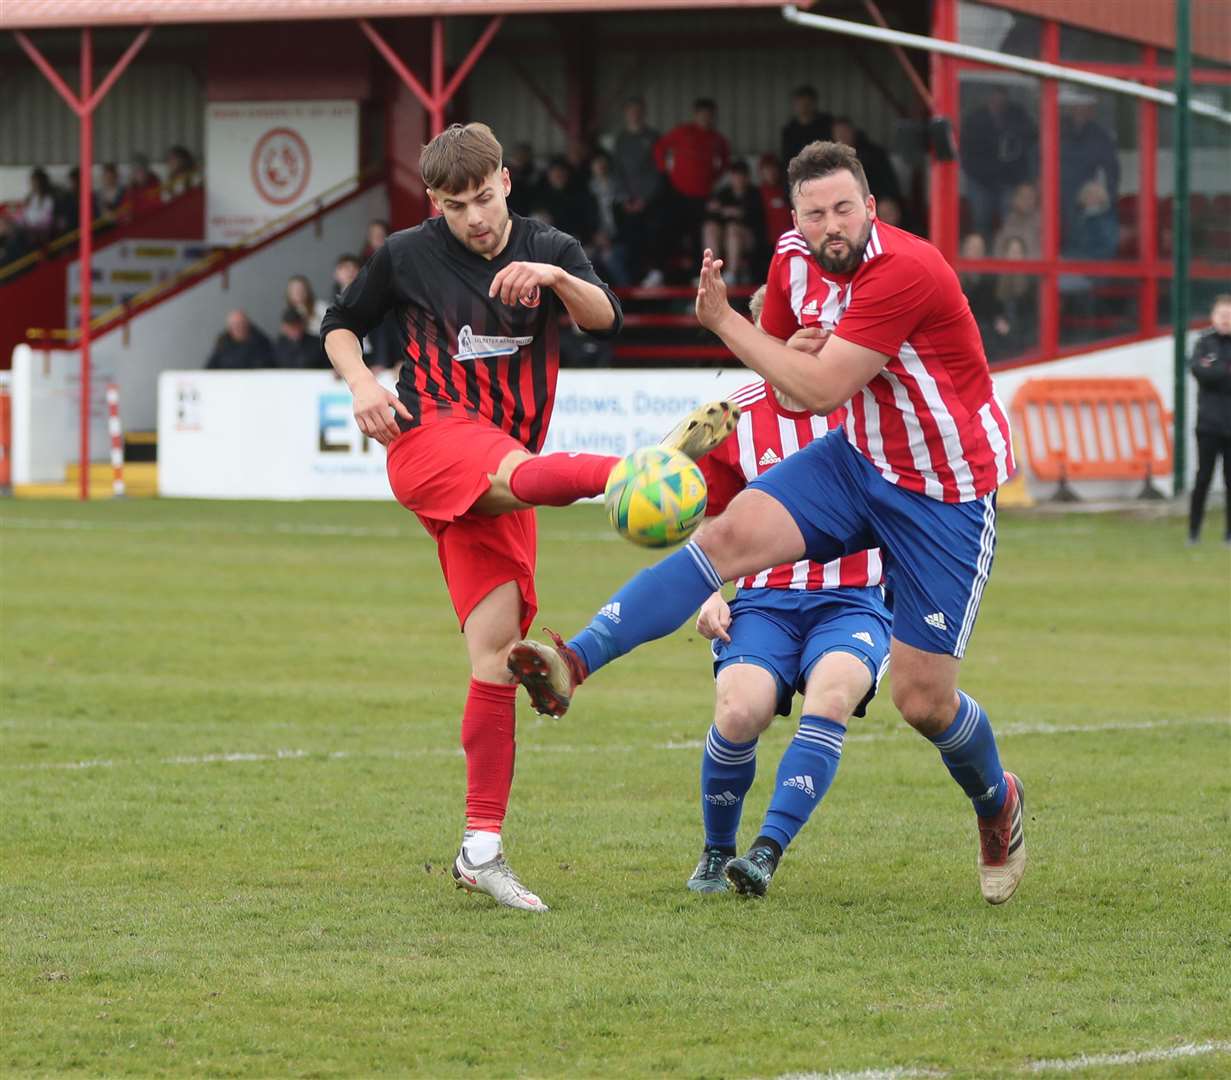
{"x": 477, "y": 294}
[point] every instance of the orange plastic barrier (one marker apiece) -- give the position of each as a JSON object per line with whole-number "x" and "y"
{"x": 1094, "y": 429}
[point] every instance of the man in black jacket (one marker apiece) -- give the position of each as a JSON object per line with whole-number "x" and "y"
{"x": 241, "y": 346}
{"x": 1211, "y": 367}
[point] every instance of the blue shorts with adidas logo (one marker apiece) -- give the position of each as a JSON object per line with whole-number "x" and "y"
{"x": 938, "y": 556}
{"x": 787, "y": 631}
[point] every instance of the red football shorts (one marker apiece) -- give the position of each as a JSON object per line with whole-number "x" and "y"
{"x": 439, "y": 471}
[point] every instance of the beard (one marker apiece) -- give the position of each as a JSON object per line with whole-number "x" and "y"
{"x": 844, "y": 264}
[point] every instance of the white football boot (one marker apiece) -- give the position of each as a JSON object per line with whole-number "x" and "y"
{"x": 496, "y": 878}
{"x": 1002, "y": 846}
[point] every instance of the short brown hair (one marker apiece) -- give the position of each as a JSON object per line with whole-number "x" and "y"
{"x": 819, "y": 159}
{"x": 756, "y": 304}
{"x": 460, "y": 157}
{"x": 1220, "y": 299}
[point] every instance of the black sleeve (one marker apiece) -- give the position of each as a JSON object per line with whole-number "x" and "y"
{"x": 366, "y": 300}
{"x": 1213, "y": 375}
{"x": 564, "y": 251}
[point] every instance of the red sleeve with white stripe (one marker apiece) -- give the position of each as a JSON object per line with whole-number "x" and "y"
{"x": 777, "y": 318}
{"x": 723, "y": 477}
{"x": 891, "y": 295}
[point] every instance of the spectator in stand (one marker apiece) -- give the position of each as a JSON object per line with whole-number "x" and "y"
{"x": 882, "y": 178}
{"x": 978, "y": 285}
{"x": 1015, "y": 325}
{"x": 38, "y": 212}
{"x": 693, "y": 156}
{"x": 999, "y": 151}
{"x": 734, "y": 219}
{"x": 377, "y": 233}
{"x": 1089, "y": 179}
{"x": 607, "y": 249}
{"x": 181, "y": 170}
{"x": 68, "y": 204}
{"x": 144, "y": 187}
{"x": 641, "y": 187}
{"x": 559, "y": 202}
{"x": 12, "y": 240}
{"x": 775, "y": 207}
{"x": 1211, "y": 367}
{"x": 889, "y": 210}
{"x": 345, "y": 270}
{"x": 301, "y": 297}
{"x": 1022, "y": 222}
{"x": 240, "y": 347}
{"x": 524, "y": 176}
{"x": 578, "y": 155}
{"x": 807, "y": 124}
{"x": 294, "y": 346}
{"x": 110, "y": 193}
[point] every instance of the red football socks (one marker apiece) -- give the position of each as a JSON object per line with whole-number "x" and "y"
{"x": 560, "y": 479}
{"x": 488, "y": 724}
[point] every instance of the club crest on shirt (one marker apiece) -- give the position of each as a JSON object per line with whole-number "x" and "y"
{"x": 531, "y": 299}
{"x": 472, "y": 346}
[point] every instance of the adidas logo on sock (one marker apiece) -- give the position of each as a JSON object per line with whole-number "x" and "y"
{"x": 727, "y": 798}
{"x": 611, "y": 611}
{"x": 863, "y": 636}
{"x": 769, "y": 458}
{"x": 802, "y": 783}
{"x": 937, "y": 620}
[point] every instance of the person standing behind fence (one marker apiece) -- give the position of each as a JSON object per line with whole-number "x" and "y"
{"x": 1211, "y": 367}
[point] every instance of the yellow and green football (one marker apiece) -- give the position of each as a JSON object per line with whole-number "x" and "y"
{"x": 655, "y": 497}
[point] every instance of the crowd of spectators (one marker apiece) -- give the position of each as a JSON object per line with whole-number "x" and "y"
{"x": 244, "y": 345}
{"x": 50, "y": 210}
{"x": 644, "y": 202}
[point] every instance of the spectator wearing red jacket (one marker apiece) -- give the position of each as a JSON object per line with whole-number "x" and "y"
{"x": 773, "y": 198}
{"x": 693, "y": 156}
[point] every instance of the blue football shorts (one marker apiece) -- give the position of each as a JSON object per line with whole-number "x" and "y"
{"x": 787, "y": 631}
{"x": 938, "y": 556}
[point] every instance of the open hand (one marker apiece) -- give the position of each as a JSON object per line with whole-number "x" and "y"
{"x": 712, "y": 305}
{"x": 519, "y": 279}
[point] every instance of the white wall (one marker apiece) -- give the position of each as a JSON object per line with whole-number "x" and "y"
{"x": 180, "y": 333}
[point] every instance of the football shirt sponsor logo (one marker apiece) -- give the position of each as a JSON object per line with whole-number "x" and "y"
{"x": 472, "y": 346}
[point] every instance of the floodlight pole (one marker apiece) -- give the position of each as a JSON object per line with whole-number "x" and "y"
{"x": 1179, "y": 275}
{"x": 84, "y": 105}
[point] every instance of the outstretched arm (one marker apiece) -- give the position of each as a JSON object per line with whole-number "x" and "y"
{"x": 820, "y": 383}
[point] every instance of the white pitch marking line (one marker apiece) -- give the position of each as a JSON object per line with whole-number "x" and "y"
{"x": 1133, "y": 1057}
{"x": 1082, "y": 1061}
{"x": 567, "y": 748}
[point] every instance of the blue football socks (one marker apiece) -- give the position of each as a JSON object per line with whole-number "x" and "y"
{"x": 806, "y": 771}
{"x": 727, "y": 772}
{"x": 653, "y": 604}
{"x": 968, "y": 749}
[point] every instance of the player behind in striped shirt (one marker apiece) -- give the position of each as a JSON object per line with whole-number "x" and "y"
{"x": 924, "y": 446}
{"x": 821, "y": 630}
{"x": 477, "y": 295}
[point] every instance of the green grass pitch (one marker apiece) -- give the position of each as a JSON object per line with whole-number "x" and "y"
{"x": 230, "y": 791}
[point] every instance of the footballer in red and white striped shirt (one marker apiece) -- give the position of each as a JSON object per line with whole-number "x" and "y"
{"x": 915, "y": 471}
{"x": 768, "y": 431}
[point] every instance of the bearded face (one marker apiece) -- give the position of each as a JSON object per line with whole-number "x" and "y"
{"x": 835, "y": 216}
